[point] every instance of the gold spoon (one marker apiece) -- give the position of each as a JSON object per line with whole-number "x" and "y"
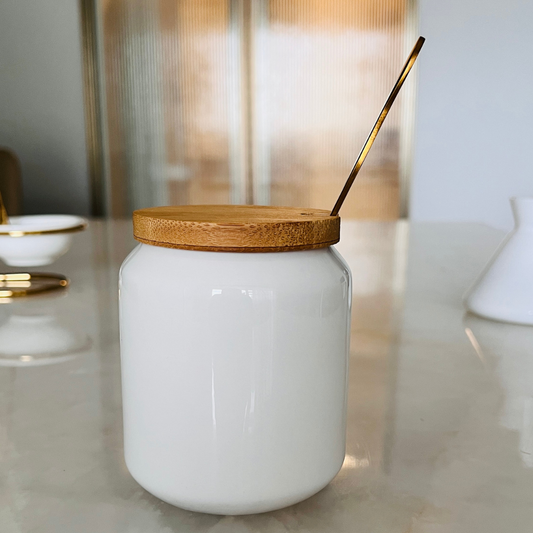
{"x": 372, "y": 137}
{"x": 3, "y": 213}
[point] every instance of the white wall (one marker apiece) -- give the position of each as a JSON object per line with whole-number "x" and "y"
{"x": 474, "y": 131}
{"x": 41, "y": 102}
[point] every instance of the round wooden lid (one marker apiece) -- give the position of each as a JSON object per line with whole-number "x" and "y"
{"x": 236, "y": 228}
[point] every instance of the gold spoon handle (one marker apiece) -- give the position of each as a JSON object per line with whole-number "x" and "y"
{"x": 371, "y": 138}
{"x": 3, "y": 213}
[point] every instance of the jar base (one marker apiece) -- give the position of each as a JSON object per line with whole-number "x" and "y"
{"x": 235, "y": 509}
{"x": 225, "y": 509}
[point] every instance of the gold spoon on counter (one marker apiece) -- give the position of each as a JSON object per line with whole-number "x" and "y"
{"x": 373, "y": 133}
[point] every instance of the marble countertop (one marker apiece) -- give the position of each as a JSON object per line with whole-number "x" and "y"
{"x": 440, "y": 417}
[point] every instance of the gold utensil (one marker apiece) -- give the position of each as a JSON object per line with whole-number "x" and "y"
{"x": 3, "y": 213}
{"x": 19, "y": 284}
{"x": 373, "y": 133}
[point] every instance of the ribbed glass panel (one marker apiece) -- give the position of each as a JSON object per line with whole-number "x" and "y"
{"x": 330, "y": 68}
{"x": 234, "y": 101}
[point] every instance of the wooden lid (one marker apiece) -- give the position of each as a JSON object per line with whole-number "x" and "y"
{"x": 236, "y": 228}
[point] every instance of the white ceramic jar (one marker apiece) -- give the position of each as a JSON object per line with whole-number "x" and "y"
{"x": 234, "y": 364}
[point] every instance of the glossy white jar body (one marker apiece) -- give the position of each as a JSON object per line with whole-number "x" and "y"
{"x": 234, "y": 375}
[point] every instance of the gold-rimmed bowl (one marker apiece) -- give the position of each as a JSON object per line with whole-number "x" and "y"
{"x": 37, "y": 240}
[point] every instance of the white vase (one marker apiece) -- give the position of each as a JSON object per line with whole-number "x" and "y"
{"x": 504, "y": 290}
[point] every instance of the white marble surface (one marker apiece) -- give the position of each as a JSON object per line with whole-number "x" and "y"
{"x": 440, "y": 432}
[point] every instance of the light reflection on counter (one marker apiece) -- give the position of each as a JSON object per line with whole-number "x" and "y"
{"x": 352, "y": 462}
{"x": 507, "y": 351}
{"x": 35, "y": 332}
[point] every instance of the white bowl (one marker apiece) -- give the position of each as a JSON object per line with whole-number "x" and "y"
{"x": 37, "y": 240}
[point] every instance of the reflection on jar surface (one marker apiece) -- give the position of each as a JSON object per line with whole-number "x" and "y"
{"x": 234, "y": 375}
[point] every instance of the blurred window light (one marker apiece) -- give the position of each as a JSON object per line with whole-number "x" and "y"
{"x": 267, "y": 102}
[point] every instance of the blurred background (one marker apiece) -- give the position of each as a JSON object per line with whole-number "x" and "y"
{"x": 111, "y": 105}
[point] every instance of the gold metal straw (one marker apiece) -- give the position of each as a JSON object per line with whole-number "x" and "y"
{"x": 3, "y": 213}
{"x": 371, "y": 138}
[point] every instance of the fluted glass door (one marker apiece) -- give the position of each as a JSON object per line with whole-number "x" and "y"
{"x": 254, "y": 101}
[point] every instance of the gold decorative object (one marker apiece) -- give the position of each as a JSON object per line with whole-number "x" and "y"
{"x": 19, "y": 284}
{"x": 3, "y": 213}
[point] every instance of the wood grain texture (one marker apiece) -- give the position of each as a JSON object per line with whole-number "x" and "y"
{"x": 236, "y": 228}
